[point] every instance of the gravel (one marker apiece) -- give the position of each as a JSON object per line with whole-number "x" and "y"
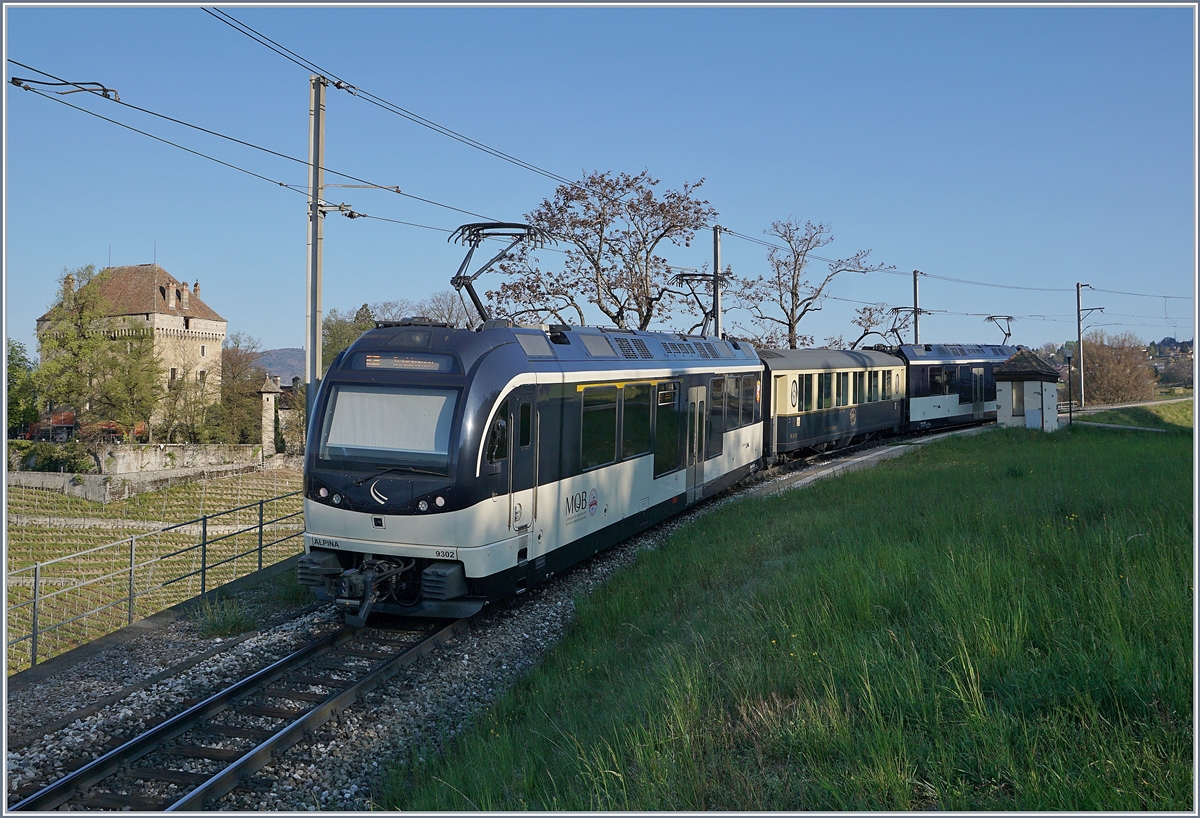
{"x": 339, "y": 767}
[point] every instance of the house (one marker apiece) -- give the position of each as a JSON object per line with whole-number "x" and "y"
{"x": 188, "y": 333}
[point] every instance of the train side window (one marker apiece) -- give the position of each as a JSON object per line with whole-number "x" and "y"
{"x": 749, "y": 398}
{"x": 497, "y": 446}
{"x": 526, "y": 423}
{"x": 951, "y": 379}
{"x": 807, "y": 392}
{"x": 860, "y": 379}
{"x": 887, "y": 385}
{"x": 716, "y": 419}
{"x": 873, "y": 387}
{"x": 668, "y": 427}
{"x": 989, "y": 383}
{"x": 733, "y": 393}
{"x": 964, "y": 384}
{"x": 825, "y": 390}
{"x": 635, "y": 434}
{"x": 599, "y": 426}
{"x": 843, "y": 388}
{"x": 937, "y": 385}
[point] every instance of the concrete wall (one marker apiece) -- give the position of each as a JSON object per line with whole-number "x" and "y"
{"x": 1040, "y": 405}
{"x": 105, "y": 488}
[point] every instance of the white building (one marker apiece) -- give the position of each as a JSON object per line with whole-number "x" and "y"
{"x": 1027, "y": 392}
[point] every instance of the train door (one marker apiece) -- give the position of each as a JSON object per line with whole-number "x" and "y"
{"x": 694, "y": 460}
{"x": 522, "y": 471}
{"x": 977, "y": 393}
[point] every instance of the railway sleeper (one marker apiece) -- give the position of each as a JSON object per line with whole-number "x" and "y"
{"x": 200, "y": 751}
{"x": 181, "y": 778}
{"x": 117, "y": 801}
{"x": 270, "y": 712}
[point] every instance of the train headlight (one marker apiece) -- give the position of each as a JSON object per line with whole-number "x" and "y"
{"x": 323, "y": 492}
{"x": 440, "y": 502}
{"x": 336, "y": 499}
{"x": 422, "y": 505}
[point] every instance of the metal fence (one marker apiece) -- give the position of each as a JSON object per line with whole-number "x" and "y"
{"x": 68, "y": 601}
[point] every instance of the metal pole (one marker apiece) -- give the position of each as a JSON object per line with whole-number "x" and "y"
{"x": 717, "y": 281}
{"x": 33, "y": 636}
{"x": 916, "y": 311}
{"x": 1070, "y": 396}
{"x": 260, "y": 533}
{"x": 316, "y": 161}
{"x": 1079, "y": 335}
{"x": 203, "y": 554}
{"x": 132, "y": 562}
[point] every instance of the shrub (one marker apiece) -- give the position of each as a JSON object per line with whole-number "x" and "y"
{"x": 71, "y": 456}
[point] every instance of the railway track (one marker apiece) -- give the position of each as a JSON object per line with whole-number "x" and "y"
{"x": 215, "y": 745}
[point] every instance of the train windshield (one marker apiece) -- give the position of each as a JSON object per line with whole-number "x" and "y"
{"x": 388, "y": 425}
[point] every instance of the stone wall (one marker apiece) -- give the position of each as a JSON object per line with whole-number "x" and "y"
{"x": 105, "y": 488}
{"x": 132, "y": 458}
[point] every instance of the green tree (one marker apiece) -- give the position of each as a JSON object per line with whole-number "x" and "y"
{"x": 129, "y": 385}
{"x": 22, "y": 399}
{"x": 74, "y": 344}
{"x": 339, "y": 330}
{"x": 241, "y": 378}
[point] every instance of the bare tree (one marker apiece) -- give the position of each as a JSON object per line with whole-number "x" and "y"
{"x": 870, "y": 318}
{"x": 781, "y": 299}
{"x": 1115, "y": 369}
{"x": 448, "y": 306}
{"x": 613, "y": 224}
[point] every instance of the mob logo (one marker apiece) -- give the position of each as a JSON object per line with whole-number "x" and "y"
{"x": 577, "y": 503}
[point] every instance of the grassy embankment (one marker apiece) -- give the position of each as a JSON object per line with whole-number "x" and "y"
{"x": 1172, "y": 417}
{"x": 997, "y": 622}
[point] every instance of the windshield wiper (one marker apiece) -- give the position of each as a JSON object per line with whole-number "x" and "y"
{"x": 385, "y": 469}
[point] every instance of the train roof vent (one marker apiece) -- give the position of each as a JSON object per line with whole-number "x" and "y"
{"x": 766, "y": 353}
{"x": 633, "y": 348}
{"x": 496, "y": 323}
{"x": 597, "y": 346}
{"x": 678, "y": 349}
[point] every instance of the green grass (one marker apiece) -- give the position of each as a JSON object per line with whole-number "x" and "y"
{"x": 996, "y": 622}
{"x": 222, "y": 616}
{"x": 1174, "y": 417}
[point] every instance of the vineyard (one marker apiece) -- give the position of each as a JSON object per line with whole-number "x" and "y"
{"x": 78, "y": 569}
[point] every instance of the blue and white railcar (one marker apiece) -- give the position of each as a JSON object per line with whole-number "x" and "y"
{"x": 448, "y": 468}
{"x": 951, "y": 384}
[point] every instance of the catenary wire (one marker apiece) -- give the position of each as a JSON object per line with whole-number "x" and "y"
{"x": 261, "y": 148}
{"x": 391, "y": 107}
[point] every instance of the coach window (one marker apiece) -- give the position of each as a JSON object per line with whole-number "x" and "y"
{"x": 668, "y": 442}
{"x": 807, "y": 392}
{"x": 733, "y": 393}
{"x": 526, "y": 423}
{"x": 497, "y": 446}
{"x": 887, "y": 385}
{"x": 937, "y": 383}
{"x": 599, "y": 445}
{"x": 860, "y": 380}
{"x": 951, "y": 377}
{"x": 635, "y": 434}
{"x": 843, "y": 388}
{"x": 825, "y": 390}
{"x": 873, "y": 387}
{"x": 749, "y": 398}
{"x": 716, "y": 416}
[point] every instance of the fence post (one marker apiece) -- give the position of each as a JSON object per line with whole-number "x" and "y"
{"x": 132, "y": 562}
{"x": 33, "y": 635}
{"x": 203, "y": 554}
{"x": 260, "y": 533}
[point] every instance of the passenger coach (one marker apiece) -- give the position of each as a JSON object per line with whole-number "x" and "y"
{"x": 451, "y": 467}
{"x": 951, "y": 384}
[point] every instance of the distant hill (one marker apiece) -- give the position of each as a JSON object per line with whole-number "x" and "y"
{"x": 286, "y": 363}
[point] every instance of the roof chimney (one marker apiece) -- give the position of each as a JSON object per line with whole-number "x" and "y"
{"x": 185, "y": 295}
{"x": 196, "y": 289}
{"x": 295, "y": 383}
{"x": 276, "y": 379}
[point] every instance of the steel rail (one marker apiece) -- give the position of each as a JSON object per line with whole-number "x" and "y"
{"x": 229, "y": 778}
{"x": 65, "y": 788}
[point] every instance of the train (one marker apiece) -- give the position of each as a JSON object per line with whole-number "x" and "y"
{"x": 450, "y": 468}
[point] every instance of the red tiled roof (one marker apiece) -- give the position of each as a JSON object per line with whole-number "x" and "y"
{"x": 144, "y": 289}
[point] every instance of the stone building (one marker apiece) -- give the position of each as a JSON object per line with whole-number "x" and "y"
{"x": 188, "y": 334}
{"x": 1027, "y": 392}
{"x": 289, "y": 400}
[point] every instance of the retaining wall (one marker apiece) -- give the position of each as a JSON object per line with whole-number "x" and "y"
{"x": 105, "y": 488}
{"x": 126, "y": 458}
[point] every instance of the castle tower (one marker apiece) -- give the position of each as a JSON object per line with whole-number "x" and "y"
{"x": 270, "y": 392}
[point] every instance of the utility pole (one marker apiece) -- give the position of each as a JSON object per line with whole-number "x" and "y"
{"x": 316, "y": 177}
{"x": 717, "y": 281}
{"x": 1079, "y": 334}
{"x": 916, "y": 311}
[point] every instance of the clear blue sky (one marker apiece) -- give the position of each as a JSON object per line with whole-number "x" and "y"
{"x": 1033, "y": 147}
